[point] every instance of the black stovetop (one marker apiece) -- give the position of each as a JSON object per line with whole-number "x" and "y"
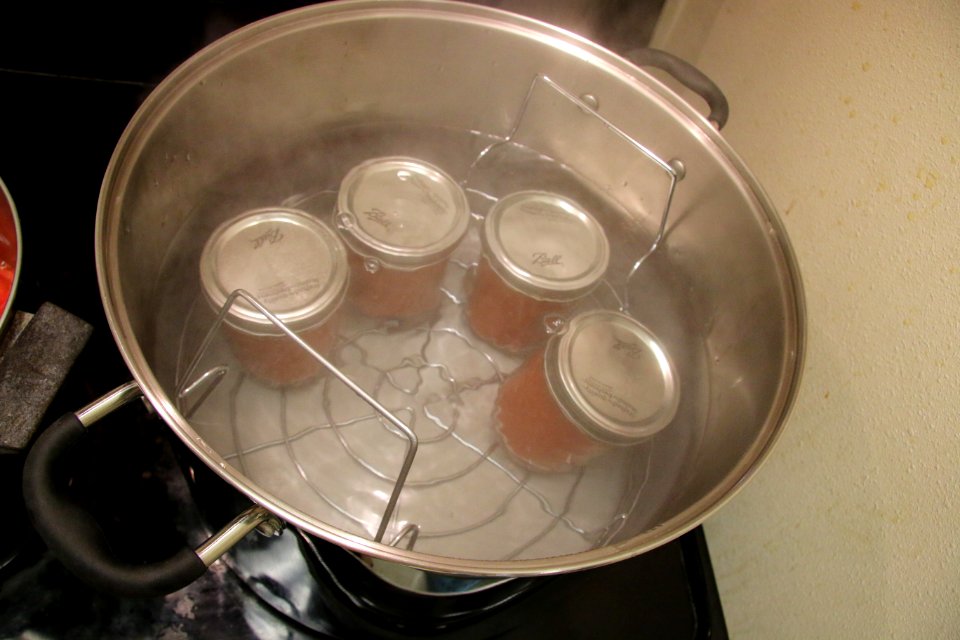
{"x": 70, "y": 79}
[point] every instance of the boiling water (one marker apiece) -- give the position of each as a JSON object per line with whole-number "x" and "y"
{"x": 323, "y": 451}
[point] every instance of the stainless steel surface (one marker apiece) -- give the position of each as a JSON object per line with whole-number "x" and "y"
{"x": 401, "y": 211}
{"x": 545, "y": 245}
{"x": 678, "y": 171}
{"x": 236, "y": 530}
{"x": 612, "y": 377}
{"x": 109, "y": 403}
{"x": 413, "y": 580}
{"x": 340, "y": 83}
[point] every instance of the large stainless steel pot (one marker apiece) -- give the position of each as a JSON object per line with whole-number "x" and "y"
{"x": 278, "y": 112}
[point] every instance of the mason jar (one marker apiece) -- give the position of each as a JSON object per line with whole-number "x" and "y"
{"x": 604, "y": 382}
{"x": 296, "y": 267}
{"x": 541, "y": 253}
{"x": 400, "y": 218}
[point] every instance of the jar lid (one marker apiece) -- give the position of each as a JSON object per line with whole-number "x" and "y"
{"x": 545, "y": 245}
{"x": 612, "y": 377}
{"x": 401, "y": 211}
{"x": 290, "y": 261}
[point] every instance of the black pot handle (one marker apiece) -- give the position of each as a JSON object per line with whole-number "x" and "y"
{"x": 690, "y": 77}
{"x": 73, "y": 535}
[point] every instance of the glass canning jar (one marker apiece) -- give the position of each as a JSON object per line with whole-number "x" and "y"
{"x": 541, "y": 253}
{"x": 604, "y": 382}
{"x": 400, "y": 218}
{"x": 296, "y": 267}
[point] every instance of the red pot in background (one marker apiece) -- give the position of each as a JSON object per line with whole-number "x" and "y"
{"x": 10, "y": 255}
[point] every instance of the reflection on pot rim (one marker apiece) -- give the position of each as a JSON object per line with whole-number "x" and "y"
{"x": 765, "y": 263}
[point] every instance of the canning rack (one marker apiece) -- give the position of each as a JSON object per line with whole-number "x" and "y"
{"x": 542, "y": 94}
{"x": 196, "y": 383}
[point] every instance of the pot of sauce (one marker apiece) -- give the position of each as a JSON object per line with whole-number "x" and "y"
{"x": 10, "y": 255}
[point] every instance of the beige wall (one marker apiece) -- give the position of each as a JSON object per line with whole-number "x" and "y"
{"x": 848, "y": 112}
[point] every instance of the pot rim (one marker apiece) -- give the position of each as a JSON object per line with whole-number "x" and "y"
{"x": 174, "y": 85}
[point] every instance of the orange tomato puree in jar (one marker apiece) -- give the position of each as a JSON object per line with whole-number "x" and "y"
{"x": 503, "y": 316}
{"x": 277, "y": 359}
{"x": 532, "y": 425}
{"x": 394, "y": 293}
{"x": 400, "y": 218}
{"x": 541, "y": 253}
{"x": 295, "y": 266}
{"x": 604, "y": 382}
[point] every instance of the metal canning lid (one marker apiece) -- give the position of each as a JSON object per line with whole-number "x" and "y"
{"x": 290, "y": 261}
{"x": 545, "y": 245}
{"x": 612, "y": 377}
{"x": 401, "y": 211}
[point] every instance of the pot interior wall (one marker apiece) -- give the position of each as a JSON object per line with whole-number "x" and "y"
{"x": 278, "y": 113}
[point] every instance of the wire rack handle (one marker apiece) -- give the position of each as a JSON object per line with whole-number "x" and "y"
{"x": 204, "y": 384}
{"x": 587, "y": 104}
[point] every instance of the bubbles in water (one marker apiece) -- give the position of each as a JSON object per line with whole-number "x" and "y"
{"x": 344, "y": 221}
{"x": 590, "y": 100}
{"x": 555, "y": 324}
